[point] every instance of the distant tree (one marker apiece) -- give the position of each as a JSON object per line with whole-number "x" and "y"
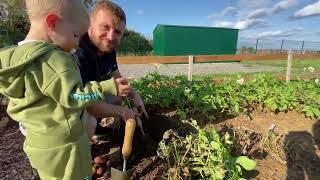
{"x": 151, "y": 42}
{"x": 14, "y": 23}
{"x": 251, "y": 50}
{"x": 134, "y": 43}
{"x": 246, "y": 50}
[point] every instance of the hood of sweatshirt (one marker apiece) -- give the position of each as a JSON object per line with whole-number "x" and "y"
{"x": 14, "y": 62}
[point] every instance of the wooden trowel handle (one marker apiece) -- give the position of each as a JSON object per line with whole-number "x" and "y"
{"x": 128, "y": 138}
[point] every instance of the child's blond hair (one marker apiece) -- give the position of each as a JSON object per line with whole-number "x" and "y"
{"x": 69, "y": 9}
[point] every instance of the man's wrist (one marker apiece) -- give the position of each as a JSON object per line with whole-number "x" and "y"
{"x": 133, "y": 94}
{"x": 116, "y": 110}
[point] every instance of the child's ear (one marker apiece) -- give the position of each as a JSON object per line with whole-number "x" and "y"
{"x": 51, "y": 21}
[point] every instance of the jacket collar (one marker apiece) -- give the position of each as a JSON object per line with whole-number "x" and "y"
{"x": 86, "y": 44}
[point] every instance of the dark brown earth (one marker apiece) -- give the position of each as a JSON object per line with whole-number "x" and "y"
{"x": 285, "y": 146}
{"x": 13, "y": 161}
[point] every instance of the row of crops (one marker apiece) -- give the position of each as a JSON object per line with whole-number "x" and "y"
{"x": 230, "y": 95}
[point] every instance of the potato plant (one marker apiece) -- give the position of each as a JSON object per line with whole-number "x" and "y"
{"x": 262, "y": 92}
{"x": 201, "y": 155}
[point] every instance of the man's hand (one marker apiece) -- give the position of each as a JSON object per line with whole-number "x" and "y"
{"x": 124, "y": 113}
{"x": 138, "y": 103}
{"x": 123, "y": 87}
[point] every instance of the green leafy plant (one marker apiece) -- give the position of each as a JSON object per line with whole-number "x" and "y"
{"x": 262, "y": 92}
{"x": 202, "y": 155}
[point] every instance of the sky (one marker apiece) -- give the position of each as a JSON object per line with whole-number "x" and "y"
{"x": 275, "y": 20}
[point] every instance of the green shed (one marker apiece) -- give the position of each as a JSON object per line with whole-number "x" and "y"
{"x": 171, "y": 40}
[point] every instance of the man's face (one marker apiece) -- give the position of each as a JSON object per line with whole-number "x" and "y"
{"x": 106, "y": 30}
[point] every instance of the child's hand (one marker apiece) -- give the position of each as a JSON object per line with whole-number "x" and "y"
{"x": 123, "y": 87}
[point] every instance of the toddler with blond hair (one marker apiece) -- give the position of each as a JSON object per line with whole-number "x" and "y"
{"x": 43, "y": 83}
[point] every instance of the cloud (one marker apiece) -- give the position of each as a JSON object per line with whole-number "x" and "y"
{"x": 277, "y": 8}
{"x": 277, "y": 34}
{"x": 252, "y": 13}
{"x": 228, "y": 10}
{"x": 307, "y": 11}
{"x": 269, "y": 34}
{"x": 248, "y": 23}
{"x": 225, "y": 24}
{"x": 283, "y": 5}
{"x": 243, "y": 24}
{"x": 140, "y": 12}
{"x": 258, "y": 13}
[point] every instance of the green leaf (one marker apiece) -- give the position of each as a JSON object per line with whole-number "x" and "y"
{"x": 229, "y": 142}
{"x": 182, "y": 114}
{"x": 203, "y": 137}
{"x": 236, "y": 108}
{"x": 316, "y": 111}
{"x": 309, "y": 113}
{"x": 239, "y": 169}
{"x": 246, "y": 163}
{"x": 284, "y": 107}
{"x": 218, "y": 99}
{"x": 215, "y": 145}
{"x": 214, "y": 135}
{"x": 274, "y": 107}
{"x": 305, "y": 108}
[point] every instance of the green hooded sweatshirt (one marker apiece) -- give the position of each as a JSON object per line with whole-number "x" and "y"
{"x": 46, "y": 94}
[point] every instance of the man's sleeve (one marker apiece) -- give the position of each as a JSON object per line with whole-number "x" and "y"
{"x": 114, "y": 62}
{"x": 67, "y": 90}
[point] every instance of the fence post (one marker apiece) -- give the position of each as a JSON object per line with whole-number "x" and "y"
{"x": 257, "y": 45}
{"x": 281, "y": 46}
{"x": 289, "y": 66}
{"x": 302, "y": 47}
{"x": 191, "y": 58}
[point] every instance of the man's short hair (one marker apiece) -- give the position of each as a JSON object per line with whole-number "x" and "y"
{"x": 115, "y": 9}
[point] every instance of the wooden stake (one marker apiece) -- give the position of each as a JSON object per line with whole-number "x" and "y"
{"x": 190, "y": 68}
{"x": 289, "y": 66}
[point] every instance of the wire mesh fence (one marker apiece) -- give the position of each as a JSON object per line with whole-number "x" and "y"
{"x": 267, "y": 46}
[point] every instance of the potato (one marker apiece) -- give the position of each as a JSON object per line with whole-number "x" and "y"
{"x": 101, "y": 171}
{"x": 100, "y": 159}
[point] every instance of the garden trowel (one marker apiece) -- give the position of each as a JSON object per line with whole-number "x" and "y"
{"x": 126, "y": 151}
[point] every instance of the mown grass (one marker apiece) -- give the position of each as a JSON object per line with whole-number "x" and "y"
{"x": 296, "y": 64}
{"x": 300, "y": 67}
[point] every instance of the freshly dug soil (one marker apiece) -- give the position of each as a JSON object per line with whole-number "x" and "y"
{"x": 285, "y": 146}
{"x": 13, "y": 161}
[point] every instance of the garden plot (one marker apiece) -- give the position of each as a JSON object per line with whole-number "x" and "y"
{"x": 267, "y": 120}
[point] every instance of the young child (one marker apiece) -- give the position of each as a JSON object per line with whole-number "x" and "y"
{"x": 46, "y": 94}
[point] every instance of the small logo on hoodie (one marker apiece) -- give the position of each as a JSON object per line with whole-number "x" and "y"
{"x": 84, "y": 97}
